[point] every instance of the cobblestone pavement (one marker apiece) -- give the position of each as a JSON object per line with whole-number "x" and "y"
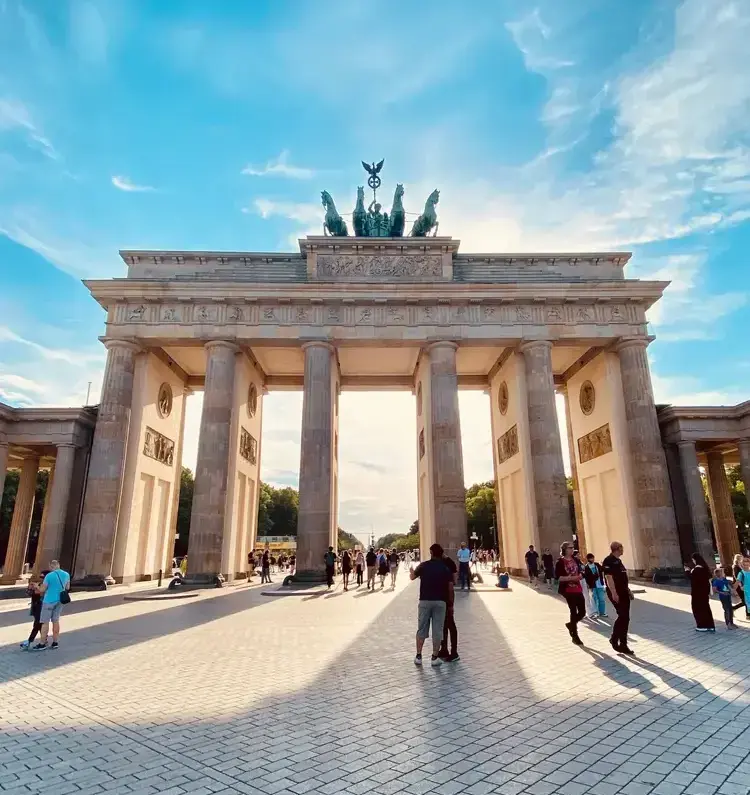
{"x": 237, "y": 692}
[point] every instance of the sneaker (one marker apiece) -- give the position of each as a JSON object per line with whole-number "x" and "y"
{"x": 55, "y": 645}
{"x": 39, "y": 647}
{"x": 25, "y": 644}
{"x": 453, "y": 657}
{"x": 626, "y": 650}
{"x": 436, "y": 662}
{"x": 418, "y": 659}
{"x": 443, "y": 654}
{"x": 701, "y": 629}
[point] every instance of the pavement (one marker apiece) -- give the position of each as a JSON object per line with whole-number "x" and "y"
{"x": 234, "y": 692}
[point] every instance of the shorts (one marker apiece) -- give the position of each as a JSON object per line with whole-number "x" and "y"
{"x": 434, "y": 611}
{"x": 50, "y": 612}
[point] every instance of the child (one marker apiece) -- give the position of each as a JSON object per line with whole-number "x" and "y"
{"x": 32, "y": 591}
{"x": 722, "y": 588}
{"x": 595, "y": 581}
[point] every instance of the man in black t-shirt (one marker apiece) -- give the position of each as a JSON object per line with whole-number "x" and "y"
{"x": 532, "y": 564}
{"x": 435, "y": 590}
{"x": 618, "y": 591}
{"x": 371, "y": 559}
{"x": 450, "y": 621}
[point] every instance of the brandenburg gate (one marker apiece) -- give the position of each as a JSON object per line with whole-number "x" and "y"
{"x": 375, "y": 311}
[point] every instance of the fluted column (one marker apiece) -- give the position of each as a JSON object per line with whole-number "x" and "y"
{"x": 55, "y": 508}
{"x": 3, "y": 467}
{"x": 449, "y": 489}
{"x": 206, "y": 538}
{"x": 744, "y": 449}
{"x": 580, "y": 529}
{"x": 652, "y": 493}
{"x": 102, "y": 500}
{"x": 696, "y": 499}
{"x": 21, "y": 522}
{"x": 725, "y": 527}
{"x": 316, "y": 476}
{"x": 171, "y": 530}
{"x": 550, "y": 488}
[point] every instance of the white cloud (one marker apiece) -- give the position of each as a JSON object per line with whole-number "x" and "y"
{"x": 15, "y": 115}
{"x": 279, "y": 167}
{"x": 689, "y": 391}
{"x": 125, "y": 183}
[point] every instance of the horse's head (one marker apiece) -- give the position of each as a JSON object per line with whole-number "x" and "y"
{"x": 434, "y": 197}
{"x": 326, "y": 199}
{"x": 399, "y": 191}
{"x": 360, "y": 194}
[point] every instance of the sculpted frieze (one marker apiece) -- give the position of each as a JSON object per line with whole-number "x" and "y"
{"x": 158, "y": 447}
{"x": 595, "y": 443}
{"x": 389, "y": 266}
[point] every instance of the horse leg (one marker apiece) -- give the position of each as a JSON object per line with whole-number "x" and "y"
{"x": 437, "y": 224}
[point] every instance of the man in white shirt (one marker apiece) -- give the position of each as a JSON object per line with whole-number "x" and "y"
{"x": 464, "y": 573}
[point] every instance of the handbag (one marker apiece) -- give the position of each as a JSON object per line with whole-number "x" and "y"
{"x": 64, "y": 595}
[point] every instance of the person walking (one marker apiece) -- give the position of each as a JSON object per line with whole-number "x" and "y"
{"x": 700, "y": 593}
{"x": 265, "y": 567}
{"x": 743, "y": 582}
{"x": 548, "y": 564}
{"x": 618, "y": 592}
{"x": 584, "y": 586}
{"x": 54, "y": 590}
{"x": 464, "y": 573}
{"x": 449, "y": 626}
{"x": 721, "y": 586}
{"x": 532, "y": 565}
{"x": 330, "y": 561}
{"x": 372, "y": 567}
{"x": 382, "y": 567}
{"x": 346, "y": 568}
{"x": 592, "y": 574}
{"x": 359, "y": 563}
{"x": 394, "y": 561}
{"x": 568, "y": 574}
{"x": 435, "y": 588}
{"x": 33, "y": 591}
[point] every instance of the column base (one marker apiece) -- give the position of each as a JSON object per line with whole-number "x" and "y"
{"x": 93, "y": 582}
{"x": 197, "y": 581}
{"x": 12, "y": 580}
{"x": 311, "y": 576}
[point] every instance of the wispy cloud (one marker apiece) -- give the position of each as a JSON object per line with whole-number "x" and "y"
{"x": 76, "y": 358}
{"x": 15, "y": 115}
{"x": 126, "y": 184}
{"x": 279, "y": 167}
{"x": 301, "y": 212}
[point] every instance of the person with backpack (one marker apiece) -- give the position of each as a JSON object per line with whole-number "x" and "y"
{"x": 372, "y": 567}
{"x": 54, "y": 590}
{"x": 382, "y": 567}
{"x": 594, "y": 577}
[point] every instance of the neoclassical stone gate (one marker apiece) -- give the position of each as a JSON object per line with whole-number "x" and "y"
{"x": 370, "y": 314}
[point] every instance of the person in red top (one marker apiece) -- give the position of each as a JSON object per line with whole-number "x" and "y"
{"x": 568, "y": 573}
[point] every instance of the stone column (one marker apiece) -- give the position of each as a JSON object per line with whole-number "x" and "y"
{"x": 21, "y": 522}
{"x": 171, "y": 530}
{"x": 206, "y": 538}
{"x": 43, "y": 523}
{"x": 101, "y": 503}
{"x": 316, "y": 514}
{"x": 653, "y": 497}
{"x": 449, "y": 489}
{"x": 550, "y": 488}
{"x": 725, "y": 528}
{"x": 696, "y": 500}
{"x": 55, "y": 508}
{"x": 580, "y": 529}
{"x": 744, "y": 449}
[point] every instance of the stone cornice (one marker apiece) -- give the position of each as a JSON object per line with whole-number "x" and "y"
{"x": 109, "y": 292}
{"x": 52, "y": 414}
{"x": 669, "y": 413}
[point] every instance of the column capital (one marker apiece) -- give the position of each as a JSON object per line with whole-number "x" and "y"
{"x": 631, "y": 342}
{"x": 528, "y": 345}
{"x": 66, "y": 444}
{"x": 122, "y": 345}
{"x": 318, "y": 344}
{"x": 442, "y": 344}
{"x": 741, "y": 444}
{"x": 686, "y": 444}
{"x": 221, "y": 344}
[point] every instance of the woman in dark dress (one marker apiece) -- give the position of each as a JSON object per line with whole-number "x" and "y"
{"x": 346, "y": 567}
{"x": 700, "y": 594}
{"x": 568, "y": 573}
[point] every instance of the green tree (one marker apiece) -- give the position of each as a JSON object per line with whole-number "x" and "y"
{"x": 283, "y": 510}
{"x": 740, "y": 505}
{"x": 388, "y": 540}
{"x": 347, "y": 540}
{"x": 480, "y": 513}
{"x": 8, "y": 503}
{"x": 184, "y": 509}
{"x": 410, "y": 541}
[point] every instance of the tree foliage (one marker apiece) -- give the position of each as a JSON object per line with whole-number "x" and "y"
{"x": 481, "y": 514}
{"x": 347, "y": 540}
{"x": 184, "y": 508}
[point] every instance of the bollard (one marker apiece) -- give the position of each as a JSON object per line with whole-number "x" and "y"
{"x": 160, "y": 573}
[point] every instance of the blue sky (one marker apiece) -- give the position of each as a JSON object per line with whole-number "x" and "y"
{"x": 551, "y": 125}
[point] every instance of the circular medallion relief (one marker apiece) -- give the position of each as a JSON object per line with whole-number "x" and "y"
{"x": 503, "y": 397}
{"x": 587, "y": 398}
{"x": 252, "y": 400}
{"x": 419, "y": 400}
{"x": 164, "y": 401}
